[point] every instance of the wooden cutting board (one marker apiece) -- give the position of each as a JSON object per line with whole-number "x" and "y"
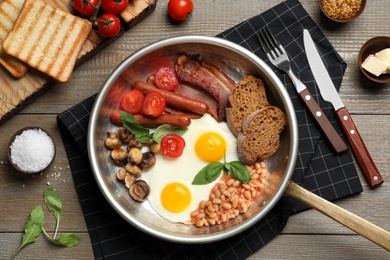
{"x": 18, "y": 93}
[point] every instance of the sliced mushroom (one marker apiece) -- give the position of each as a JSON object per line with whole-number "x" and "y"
{"x": 148, "y": 161}
{"x": 133, "y": 169}
{"x": 134, "y": 144}
{"x": 139, "y": 190}
{"x": 129, "y": 180}
{"x": 121, "y": 174}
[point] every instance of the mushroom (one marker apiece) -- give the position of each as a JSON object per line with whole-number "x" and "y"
{"x": 139, "y": 190}
{"x": 148, "y": 161}
{"x": 124, "y": 135}
{"x": 135, "y": 156}
{"x": 133, "y": 169}
{"x": 134, "y": 144}
{"x": 121, "y": 174}
{"x": 112, "y": 141}
{"x": 129, "y": 180}
{"x": 118, "y": 154}
{"x": 155, "y": 148}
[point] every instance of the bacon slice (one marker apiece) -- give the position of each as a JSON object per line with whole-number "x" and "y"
{"x": 207, "y": 77}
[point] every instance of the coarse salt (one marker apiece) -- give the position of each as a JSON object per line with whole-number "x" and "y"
{"x": 32, "y": 150}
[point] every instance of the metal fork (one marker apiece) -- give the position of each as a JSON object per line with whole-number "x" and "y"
{"x": 279, "y": 58}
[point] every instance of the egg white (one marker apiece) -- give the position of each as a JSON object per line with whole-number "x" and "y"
{"x": 184, "y": 168}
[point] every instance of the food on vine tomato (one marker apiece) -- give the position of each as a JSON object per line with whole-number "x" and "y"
{"x": 154, "y": 104}
{"x": 133, "y": 101}
{"x": 114, "y": 6}
{"x": 172, "y": 145}
{"x": 85, "y": 7}
{"x": 166, "y": 78}
{"x": 109, "y": 25}
{"x": 179, "y": 10}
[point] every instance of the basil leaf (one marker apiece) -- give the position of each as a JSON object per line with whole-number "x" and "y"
{"x": 67, "y": 240}
{"x": 165, "y": 129}
{"x": 144, "y": 138}
{"x": 208, "y": 174}
{"x": 132, "y": 125}
{"x": 239, "y": 171}
{"x": 33, "y": 228}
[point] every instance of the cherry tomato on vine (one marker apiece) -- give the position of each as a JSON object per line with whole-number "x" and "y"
{"x": 109, "y": 25}
{"x": 133, "y": 101}
{"x": 166, "y": 78}
{"x": 179, "y": 10}
{"x": 114, "y": 6}
{"x": 85, "y": 7}
{"x": 154, "y": 104}
{"x": 172, "y": 145}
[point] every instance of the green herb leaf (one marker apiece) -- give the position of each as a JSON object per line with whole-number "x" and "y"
{"x": 67, "y": 240}
{"x": 239, "y": 171}
{"x": 132, "y": 125}
{"x": 33, "y": 228}
{"x": 208, "y": 174}
{"x": 54, "y": 204}
{"x": 165, "y": 129}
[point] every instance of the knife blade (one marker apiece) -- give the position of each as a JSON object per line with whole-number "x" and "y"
{"x": 330, "y": 94}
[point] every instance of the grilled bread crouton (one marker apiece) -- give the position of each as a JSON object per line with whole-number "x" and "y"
{"x": 248, "y": 96}
{"x": 261, "y": 134}
{"x": 47, "y": 39}
{"x": 9, "y": 12}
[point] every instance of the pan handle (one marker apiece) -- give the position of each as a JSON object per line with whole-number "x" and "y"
{"x": 361, "y": 226}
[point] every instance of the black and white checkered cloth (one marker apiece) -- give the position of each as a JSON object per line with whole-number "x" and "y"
{"x": 318, "y": 169}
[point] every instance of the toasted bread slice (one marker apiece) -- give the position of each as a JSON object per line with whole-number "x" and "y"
{"x": 47, "y": 39}
{"x": 9, "y": 12}
{"x": 261, "y": 134}
{"x": 248, "y": 96}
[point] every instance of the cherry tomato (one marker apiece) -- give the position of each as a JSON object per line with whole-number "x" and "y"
{"x": 109, "y": 25}
{"x": 179, "y": 10}
{"x": 114, "y": 6}
{"x": 133, "y": 101}
{"x": 172, "y": 145}
{"x": 166, "y": 78}
{"x": 85, "y": 7}
{"x": 154, "y": 104}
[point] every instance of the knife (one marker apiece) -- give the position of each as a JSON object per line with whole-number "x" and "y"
{"x": 330, "y": 94}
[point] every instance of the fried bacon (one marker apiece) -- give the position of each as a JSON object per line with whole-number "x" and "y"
{"x": 208, "y": 78}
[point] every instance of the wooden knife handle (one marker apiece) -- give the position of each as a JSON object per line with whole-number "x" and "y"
{"x": 363, "y": 156}
{"x": 324, "y": 123}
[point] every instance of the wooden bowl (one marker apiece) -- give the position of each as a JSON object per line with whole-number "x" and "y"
{"x": 325, "y": 12}
{"x": 373, "y": 46}
{"x": 18, "y": 166}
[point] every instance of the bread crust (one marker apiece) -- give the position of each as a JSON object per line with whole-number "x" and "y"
{"x": 47, "y": 39}
{"x": 248, "y": 96}
{"x": 261, "y": 134}
{"x": 9, "y": 12}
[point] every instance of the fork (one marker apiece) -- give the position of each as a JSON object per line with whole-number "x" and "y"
{"x": 279, "y": 58}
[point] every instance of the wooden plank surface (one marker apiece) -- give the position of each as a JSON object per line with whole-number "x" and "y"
{"x": 308, "y": 235}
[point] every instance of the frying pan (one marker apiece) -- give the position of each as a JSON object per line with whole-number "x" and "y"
{"x": 236, "y": 62}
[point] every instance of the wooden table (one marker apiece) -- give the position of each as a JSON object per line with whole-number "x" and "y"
{"x": 308, "y": 235}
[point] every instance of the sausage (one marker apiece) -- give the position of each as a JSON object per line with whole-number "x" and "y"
{"x": 174, "y": 99}
{"x": 178, "y": 120}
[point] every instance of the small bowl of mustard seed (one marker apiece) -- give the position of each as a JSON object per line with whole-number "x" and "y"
{"x": 342, "y": 11}
{"x": 31, "y": 150}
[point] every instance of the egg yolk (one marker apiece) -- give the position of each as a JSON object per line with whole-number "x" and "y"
{"x": 175, "y": 197}
{"x": 210, "y": 147}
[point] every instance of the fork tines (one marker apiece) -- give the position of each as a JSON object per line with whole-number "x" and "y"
{"x": 269, "y": 43}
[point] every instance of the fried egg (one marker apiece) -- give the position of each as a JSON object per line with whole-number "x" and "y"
{"x": 172, "y": 195}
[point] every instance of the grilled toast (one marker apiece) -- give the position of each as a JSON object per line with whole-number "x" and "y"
{"x": 9, "y": 12}
{"x": 47, "y": 39}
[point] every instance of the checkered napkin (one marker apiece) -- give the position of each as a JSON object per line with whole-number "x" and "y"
{"x": 318, "y": 169}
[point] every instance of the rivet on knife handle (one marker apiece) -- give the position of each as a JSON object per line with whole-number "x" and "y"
{"x": 328, "y": 129}
{"x": 367, "y": 164}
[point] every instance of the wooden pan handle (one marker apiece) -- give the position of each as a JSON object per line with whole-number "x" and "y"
{"x": 368, "y": 166}
{"x": 361, "y": 226}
